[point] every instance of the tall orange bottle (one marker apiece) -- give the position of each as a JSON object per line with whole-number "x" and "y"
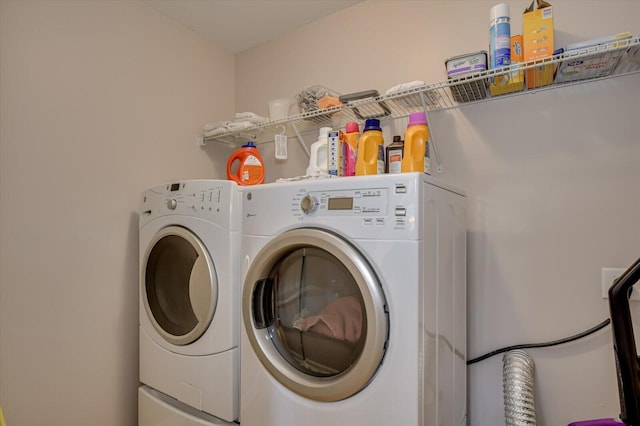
{"x": 250, "y": 167}
{"x": 370, "y": 149}
{"x": 351, "y": 138}
{"x": 416, "y": 145}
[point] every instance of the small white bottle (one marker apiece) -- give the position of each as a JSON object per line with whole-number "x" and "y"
{"x": 319, "y": 149}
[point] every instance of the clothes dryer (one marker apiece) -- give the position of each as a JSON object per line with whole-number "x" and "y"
{"x": 189, "y": 293}
{"x": 354, "y": 303}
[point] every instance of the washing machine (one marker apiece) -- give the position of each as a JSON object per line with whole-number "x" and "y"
{"x": 354, "y": 303}
{"x": 190, "y": 287}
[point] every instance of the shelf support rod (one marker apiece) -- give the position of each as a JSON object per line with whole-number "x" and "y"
{"x": 300, "y": 140}
{"x": 432, "y": 138}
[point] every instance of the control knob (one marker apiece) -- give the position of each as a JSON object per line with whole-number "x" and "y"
{"x": 308, "y": 204}
{"x": 172, "y": 204}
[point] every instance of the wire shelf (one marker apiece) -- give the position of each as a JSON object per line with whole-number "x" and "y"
{"x": 571, "y": 67}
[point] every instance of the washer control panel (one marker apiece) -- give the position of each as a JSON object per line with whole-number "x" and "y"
{"x": 350, "y": 202}
{"x": 209, "y": 199}
{"x": 190, "y": 199}
{"x": 378, "y": 207}
{"x": 384, "y": 206}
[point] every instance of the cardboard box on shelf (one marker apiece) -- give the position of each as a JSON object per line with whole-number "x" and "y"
{"x": 538, "y": 44}
{"x": 336, "y": 157}
{"x": 514, "y": 80}
{"x": 597, "y": 65}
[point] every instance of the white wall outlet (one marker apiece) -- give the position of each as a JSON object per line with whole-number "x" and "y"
{"x": 608, "y": 276}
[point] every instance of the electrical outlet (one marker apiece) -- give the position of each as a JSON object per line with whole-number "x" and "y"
{"x": 608, "y": 276}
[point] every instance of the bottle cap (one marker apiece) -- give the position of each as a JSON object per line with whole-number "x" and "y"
{"x": 249, "y": 144}
{"x": 322, "y": 133}
{"x": 499, "y": 11}
{"x": 397, "y": 138}
{"x": 352, "y": 127}
{"x": 417, "y": 118}
{"x": 372, "y": 124}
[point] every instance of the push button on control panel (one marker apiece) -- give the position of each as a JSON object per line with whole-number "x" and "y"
{"x": 401, "y": 211}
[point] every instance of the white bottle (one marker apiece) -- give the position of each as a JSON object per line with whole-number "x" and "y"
{"x": 318, "y": 160}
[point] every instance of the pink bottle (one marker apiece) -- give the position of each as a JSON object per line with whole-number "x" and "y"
{"x": 351, "y": 137}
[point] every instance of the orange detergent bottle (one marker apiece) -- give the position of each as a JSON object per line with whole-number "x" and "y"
{"x": 416, "y": 145}
{"x": 370, "y": 149}
{"x": 245, "y": 166}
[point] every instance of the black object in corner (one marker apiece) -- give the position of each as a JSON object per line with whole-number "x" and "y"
{"x": 627, "y": 362}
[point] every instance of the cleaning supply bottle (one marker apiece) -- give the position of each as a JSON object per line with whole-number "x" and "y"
{"x": 499, "y": 36}
{"x": 394, "y": 155}
{"x": 351, "y": 137}
{"x": 416, "y": 145}
{"x": 249, "y": 169}
{"x": 370, "y": 149}
{"x": 318, "y": 159}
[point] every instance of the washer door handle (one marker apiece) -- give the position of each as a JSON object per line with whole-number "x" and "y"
{"x": 263, "y": 308}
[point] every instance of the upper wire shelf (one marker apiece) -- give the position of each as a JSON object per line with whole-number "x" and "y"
{"x": 571, "y": 67}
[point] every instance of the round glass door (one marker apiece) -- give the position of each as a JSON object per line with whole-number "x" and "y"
{"x": 179, "y": 285}
{"x": 315, "y": 314}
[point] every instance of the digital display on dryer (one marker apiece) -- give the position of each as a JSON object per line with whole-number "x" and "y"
{"x": 342, "y": 203}
{"x": 175, "y": 187}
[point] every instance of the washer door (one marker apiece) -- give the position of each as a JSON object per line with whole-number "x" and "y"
{"x": 315, "y": 314}
{"x": 180, "y": 286}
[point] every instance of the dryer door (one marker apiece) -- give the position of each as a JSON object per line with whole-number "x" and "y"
{"x": 315, "y": 314}
{"x": 180, "y": 286}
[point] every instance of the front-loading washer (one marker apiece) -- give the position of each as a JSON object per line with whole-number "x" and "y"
{"x": 189, "y": 294}
{"x": 354, "y": 303}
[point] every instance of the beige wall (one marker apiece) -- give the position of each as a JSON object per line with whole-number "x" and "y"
{"x": 99, "y": 101}
{"x": 102, "y": 99}
{"x": 552, "y": 179}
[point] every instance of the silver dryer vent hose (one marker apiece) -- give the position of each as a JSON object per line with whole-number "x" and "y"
{"x": 517, "y": 380}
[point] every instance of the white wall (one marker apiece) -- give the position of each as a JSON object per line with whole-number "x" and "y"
{"x": 552, "y": 179}
{"x": 99, "y": 101}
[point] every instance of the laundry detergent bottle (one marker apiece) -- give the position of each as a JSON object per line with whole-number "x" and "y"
{"x": 319, "y": 149}
{"x": 416, "y": 145}
{"x": 370, "y": 149}
{"x": 351, "y": 138}
{"x": 245, "y": 166}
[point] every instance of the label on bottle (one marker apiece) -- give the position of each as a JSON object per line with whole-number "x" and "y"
{"x": 350, "y": 158}
{"x": 380, "y": 159}
{"x": 395, "y": 160}
{"x": 252, "y": 160}
{"x": 251, "y": 170}
{"x": 427, "y": 158}
{"x": 500, "y": 42}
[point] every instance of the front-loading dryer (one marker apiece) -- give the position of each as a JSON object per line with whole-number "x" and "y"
{"x": 189, "y": 294}
{"x": 354, "y": 303}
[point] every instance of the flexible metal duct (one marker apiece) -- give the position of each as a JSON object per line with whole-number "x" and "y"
{"x": 517, "y": 379}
